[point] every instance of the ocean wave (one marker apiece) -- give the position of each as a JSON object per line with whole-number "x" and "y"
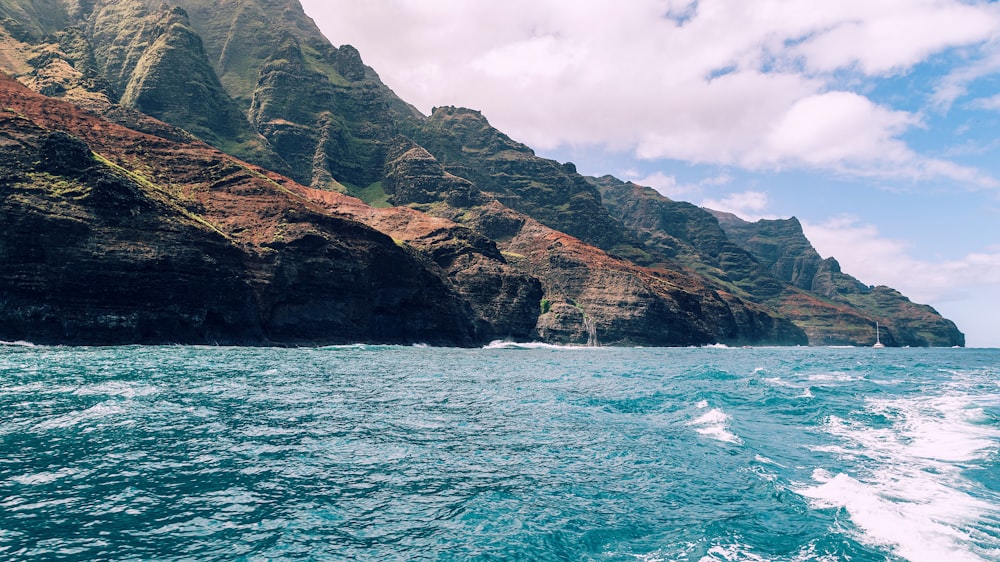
{"x": 123, "y": 389}
{"x": 918, "y": 518}
{"x": 715, "y": 425}
{"x": 912, "y": 496}
{"x": 501, "y": 344}
{"x": 18, "y": 343}
{"x": 347, "y": 346}
{"x": 39, "y": 478}
{"x": 836, "y": 376}
{"x": 392, "y": 452}
{"x": 102, "y": 410}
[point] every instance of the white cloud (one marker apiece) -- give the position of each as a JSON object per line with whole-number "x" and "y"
{"x": 956, "y": 84}
{"x": 865, "y": 253}
{"x": 991, "y": 103}
{"x": 748, "y": 205}
{"x": 963, "y": 289}
{"x": 715, "y": 81}
{"x": 837, "y": 129}
{"x": 668, "y": 186}
{"x": 884, "y": 37}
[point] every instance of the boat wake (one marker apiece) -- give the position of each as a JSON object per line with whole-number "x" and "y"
{"x": 913, "y": 495}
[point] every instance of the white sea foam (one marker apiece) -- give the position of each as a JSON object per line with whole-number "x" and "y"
{"x": 102, "y": 410}
{"x": 116, "y": 388}
{"x": 346, "y": 346}
{"x": 739, "y": 552}
{"x": 778, "y": 382}
{"x": 764, "y": 460}
{"x": 18, "y": 343}
{"x": 715, "y": 425}
{"x": 836, "y": 376}
{"x": 913, "y": 499}
{"x": 38, "y": 478}
{"x": 501, "y": 344}
{"x": 921, "y": 520}
{"x": 731, "y": 552}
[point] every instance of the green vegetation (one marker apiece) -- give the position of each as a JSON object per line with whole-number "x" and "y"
{"x": 161, "y": 194}
{"x": 60, "y": 186}
{"x": 374, "y": 194}
{"x": 546, "y": 305}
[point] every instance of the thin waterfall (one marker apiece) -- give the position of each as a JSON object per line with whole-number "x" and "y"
{"x": 591, "y": 328}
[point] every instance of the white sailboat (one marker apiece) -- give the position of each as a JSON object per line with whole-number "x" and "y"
{"x": 878, "y": 341}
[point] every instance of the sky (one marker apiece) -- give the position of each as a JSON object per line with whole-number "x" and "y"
{"x": 875, "y": 122}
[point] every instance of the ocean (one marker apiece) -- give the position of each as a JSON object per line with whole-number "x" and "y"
{"x": 511, "y": 452}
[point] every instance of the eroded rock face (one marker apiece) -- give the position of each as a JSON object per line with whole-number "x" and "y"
{"x": 256, "y": 79}
{"x": 467, "y": 146}
{"x": 155, "y": 242}
{"x": 594, "y": 297}
{"x": 90, "y": 258}
{"x": 504, "y": 300}
{"x": 589, "y": 296}
{"x": 849, "y": 309}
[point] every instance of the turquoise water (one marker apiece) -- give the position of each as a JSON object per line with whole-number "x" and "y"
{"x": 504, "y": 453}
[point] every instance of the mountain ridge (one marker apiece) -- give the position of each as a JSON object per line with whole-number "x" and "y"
{"x": 526, "y": 247}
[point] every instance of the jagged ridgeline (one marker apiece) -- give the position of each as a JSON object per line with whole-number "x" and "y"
{"x": 496, "y": 242}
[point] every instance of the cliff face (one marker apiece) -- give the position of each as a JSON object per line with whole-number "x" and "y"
{"x": 466, "y": 145}
{"x": 589, "y": 295}
{"x": 458, "y": 234}
{"x": 90, "y": 257}
{"x": 686, "y": 234}
{"x": 781, "y": 246}
{"x": 117, "y": 236}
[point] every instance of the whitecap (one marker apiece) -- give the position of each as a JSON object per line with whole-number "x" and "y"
{"x": 921, "y": 522}
{"x": 502, "y": 344}
{"x": 836, "y": 376}
{"x": 715, "y": 425}
{"x": 102, "y": 410}
{"x": 38, "y": 478}
{"x": 346, "y": 346}
{"x": 116, "y": 388}
{"x": 778, "y": 382}
{"x": 731, "y": 552}
{"x": 911, "y": 495}
{"x": 764, "y": 460}
{"x": 18, "y": 343}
